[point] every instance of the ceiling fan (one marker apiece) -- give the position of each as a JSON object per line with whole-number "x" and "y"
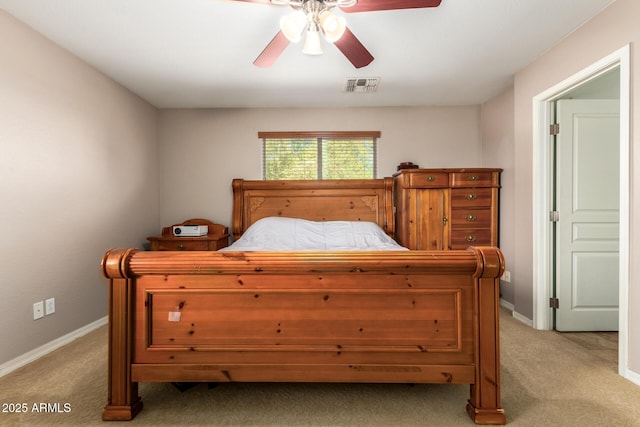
{"x": 316, "y": 17}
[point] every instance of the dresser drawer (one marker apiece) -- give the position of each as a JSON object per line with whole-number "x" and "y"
{"x": 465, "y": 218}
{"x": 186, "y": 245}
{"x": 465, "y": 197}
{"x": 463, "y": 238}
{"x": 471, "y": 179}
{"x": 427, "y": 180}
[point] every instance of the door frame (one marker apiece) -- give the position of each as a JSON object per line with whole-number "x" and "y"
{"x": 542, "y": 194}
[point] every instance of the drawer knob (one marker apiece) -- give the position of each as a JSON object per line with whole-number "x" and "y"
{"x": 471, "y": 239}
{"x": 471, "y": 218}
{"x": 470, "y": 197}
{"x": 180, "y": 247}
{"x": 473, "y": 178}
{"x": 431, "y": 178}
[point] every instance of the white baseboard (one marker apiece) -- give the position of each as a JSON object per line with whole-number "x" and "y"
{"x": 37, "y": 353}
{"x": 507, "y": 305}
{"x": 515, "y": 314}
{"x": 523, "y": 319}
{"x": 634, "y": 377}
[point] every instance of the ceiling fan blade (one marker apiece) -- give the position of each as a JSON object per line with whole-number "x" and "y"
{"x": 355, "y": 51}
{"x": 373, "y": 5}
{"x": 273, "y": 50}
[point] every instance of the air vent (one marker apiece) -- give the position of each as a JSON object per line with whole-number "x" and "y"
{"x": 362, "y": 85}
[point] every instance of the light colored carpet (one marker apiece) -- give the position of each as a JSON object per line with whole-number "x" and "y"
{"x": 547, "y": 380}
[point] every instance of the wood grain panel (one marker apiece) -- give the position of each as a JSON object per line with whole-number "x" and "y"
{"x": 427, "y": 319}
{"x": 316, "y": 200}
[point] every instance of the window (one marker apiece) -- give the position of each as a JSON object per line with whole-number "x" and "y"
{"x": 319, "y": 155}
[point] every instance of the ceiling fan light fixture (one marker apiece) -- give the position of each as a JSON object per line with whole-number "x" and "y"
{"x": 292, "y": 25}
{"x": 312, "y": 44}
{"x": 333, "y": 26}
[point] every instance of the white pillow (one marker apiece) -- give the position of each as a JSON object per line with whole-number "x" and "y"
{"x": 292, "y": 234}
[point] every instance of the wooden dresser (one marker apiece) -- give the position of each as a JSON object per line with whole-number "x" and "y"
{"x": 217, "y": 238}
{"x": 441, "y": 209}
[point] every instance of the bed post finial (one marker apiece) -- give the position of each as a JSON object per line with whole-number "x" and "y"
{"x": 114, "y": 263}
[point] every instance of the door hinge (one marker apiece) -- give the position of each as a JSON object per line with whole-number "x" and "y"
{"x": 554, "y": 302}
{"x": 554, "y": 129}
{"x": 554, "y": 216}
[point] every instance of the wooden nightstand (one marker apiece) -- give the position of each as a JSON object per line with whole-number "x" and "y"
{"x": 217, "y": 238}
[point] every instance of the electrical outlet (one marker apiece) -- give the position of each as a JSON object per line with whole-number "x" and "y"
{"x": 506, "y": 276}
{"x": 50, "y": 306}
{"x": 38, "y": 310}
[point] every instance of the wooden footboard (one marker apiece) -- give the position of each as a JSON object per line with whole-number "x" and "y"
{"x": 400, "y": 316}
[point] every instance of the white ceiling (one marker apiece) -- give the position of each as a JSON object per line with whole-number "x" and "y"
{"x": 199, "y": 53}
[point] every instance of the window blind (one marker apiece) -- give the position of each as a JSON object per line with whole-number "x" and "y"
{"x": 326, "y": 156}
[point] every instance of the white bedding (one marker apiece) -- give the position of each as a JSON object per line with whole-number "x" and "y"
{"x": 291, "y": 234}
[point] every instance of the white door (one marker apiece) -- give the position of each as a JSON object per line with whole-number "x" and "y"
{"x": 587, "y": 201}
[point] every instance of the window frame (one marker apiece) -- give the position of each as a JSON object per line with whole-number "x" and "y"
{"x": 319, "y": 135}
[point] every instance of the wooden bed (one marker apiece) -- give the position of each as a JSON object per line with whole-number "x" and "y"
{"x": 374, "y": 316}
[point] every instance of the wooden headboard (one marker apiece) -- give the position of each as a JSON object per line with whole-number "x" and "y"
{"x": 315, "y": 200}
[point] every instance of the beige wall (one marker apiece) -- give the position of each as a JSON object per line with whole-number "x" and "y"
{"x": 497, "y": 126}
{"x": 78, "y": 174}
{"x": 201, "y": 151}
{"x": 614, "y": 28}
